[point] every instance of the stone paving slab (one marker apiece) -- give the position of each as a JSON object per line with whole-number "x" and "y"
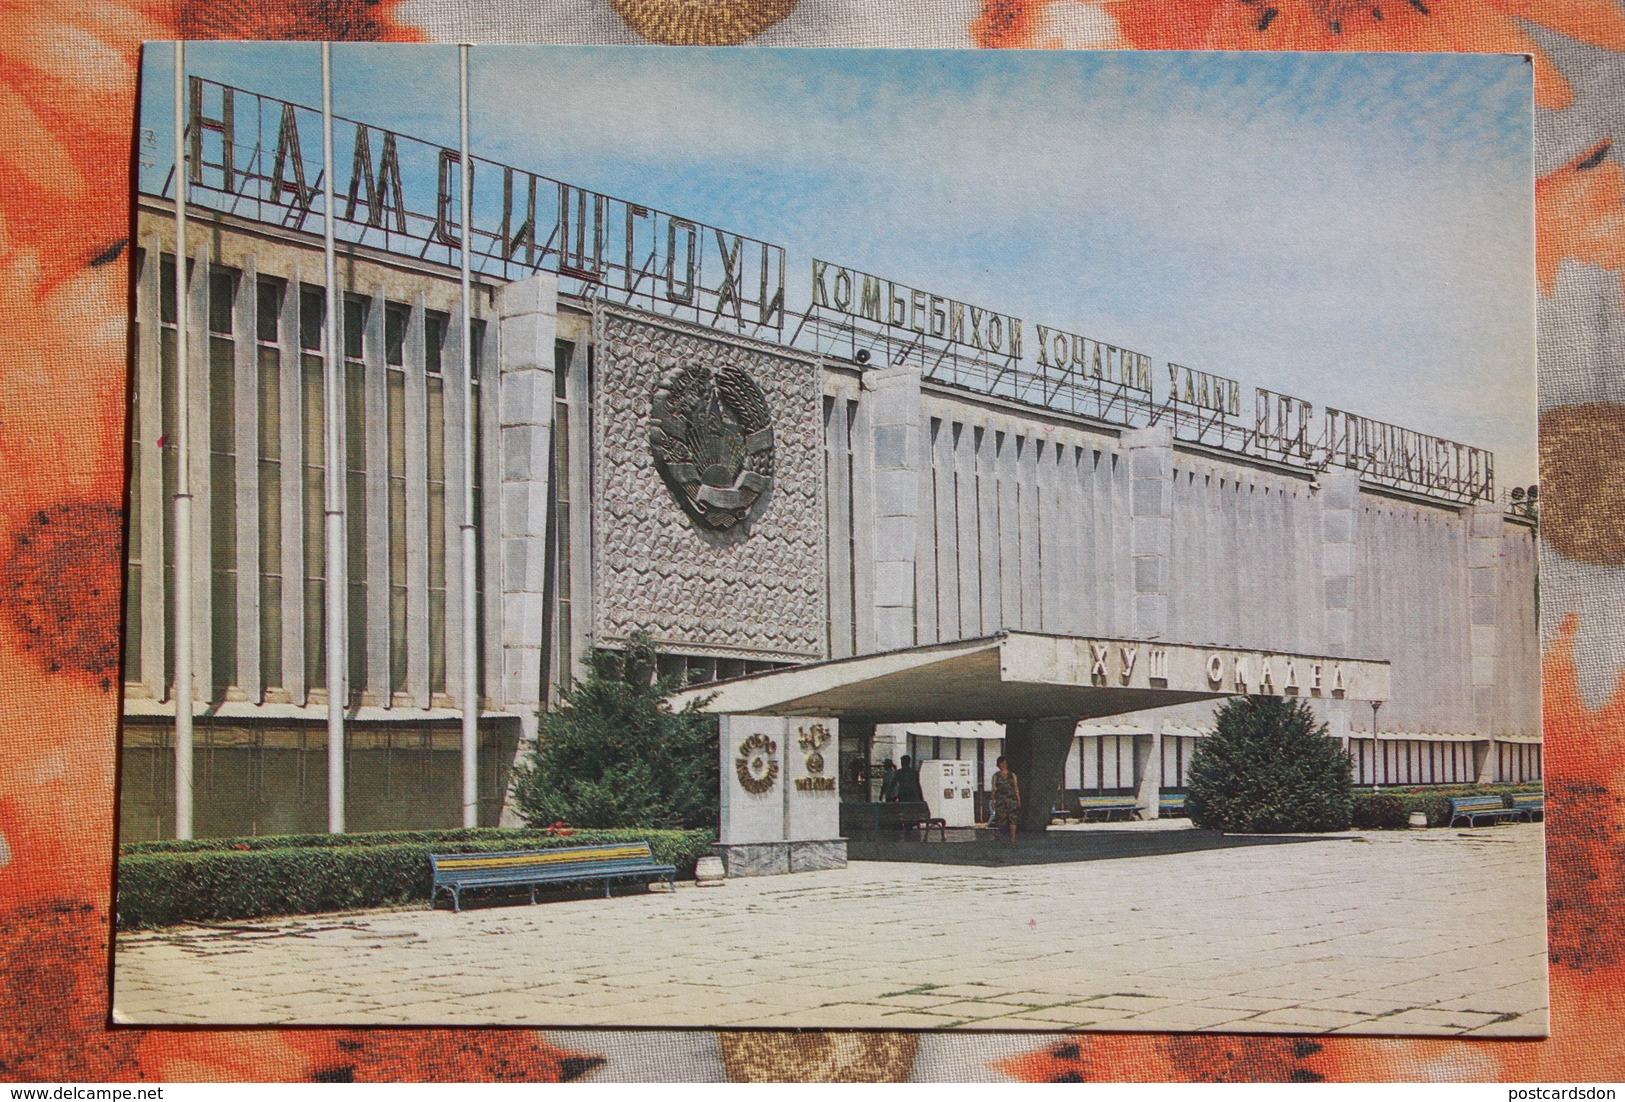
{"x": 1132, "y": 927}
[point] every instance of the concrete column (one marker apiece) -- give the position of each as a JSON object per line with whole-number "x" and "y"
{"x": 1037, "y": 751}
{"x": 196, "y": 317}
{"x": 488, "y": 534}
{"x": 415, "y": 355}
{"x": 1148, "y": 770}
{"x": 752, "y": 841}
{"x": 891, "y": 406}
{"x": 451, "y": 359}
{"x": 812, "y": 795}
{"x": 1484, "y": 762}
{"x": 1339, "y": 496}
{"x": 1151, "y": 507}
{"x": 1484, "y": 588}
{"x": 528, "y": 313}
{"x": 1337, "y": 718}
{"x": 375, "y": 525}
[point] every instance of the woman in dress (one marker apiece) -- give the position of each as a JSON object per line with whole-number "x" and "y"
{"x": 1006, "y": 799}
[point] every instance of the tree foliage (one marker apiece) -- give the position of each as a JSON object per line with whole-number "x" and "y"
{"x": 1269, "y": 768}
{"x": 614, "y": 754}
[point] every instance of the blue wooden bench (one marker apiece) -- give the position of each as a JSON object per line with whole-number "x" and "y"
{"x": 1473, "y": 808}
{"x": 457, "y": 872}
{"x": 1107, "y": 806}
{"x": 1171, "y": 804}
{"x": 1529, "y": 804}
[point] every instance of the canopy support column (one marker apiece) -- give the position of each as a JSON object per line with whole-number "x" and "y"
{"x": 1037, "y": 749}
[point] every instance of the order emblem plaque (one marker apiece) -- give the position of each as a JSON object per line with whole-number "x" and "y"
{"x": 757, "y": 764}
{"x": 712, "y": 438}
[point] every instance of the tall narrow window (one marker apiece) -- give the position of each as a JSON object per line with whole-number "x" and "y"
{"x": 312, "y": 314}
{"x": 269, "y": 302}
{"x": 395, "y": 320}
{"x": 557, "y": 667}
{"x": 355, "y": 489}
{"x": 223, "y": 283}
{"x": 434, "y": 336}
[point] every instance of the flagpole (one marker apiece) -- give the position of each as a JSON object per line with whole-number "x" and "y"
{"x": 337, "y": 588}
{"x": 471, "y": 680}
{"x": 183, "y": 475}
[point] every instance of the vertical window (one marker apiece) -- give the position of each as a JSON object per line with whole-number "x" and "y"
{"x": 268, "y": 308}
{"x": 133, "y": 463}
{"x": 312, "y": 322}
{"x": 223, "y": 478}
{"x": 434, "y": 339}
{"x": 395, "y": 321}
{"x": 355, "y": 489}
{"x": 559, "y": 604}
{"x": 434, "y": 335}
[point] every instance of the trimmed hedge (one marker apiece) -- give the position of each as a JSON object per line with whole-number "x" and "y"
{"x": 1390, "y": 809}
{"x": 205, "y": 880}
{"x": 522, "y": 837}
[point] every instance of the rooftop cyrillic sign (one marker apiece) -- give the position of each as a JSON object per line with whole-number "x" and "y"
{"x": 258, "y": 157}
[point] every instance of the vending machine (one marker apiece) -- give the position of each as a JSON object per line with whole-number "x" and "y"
{"x": 950, "y": 790}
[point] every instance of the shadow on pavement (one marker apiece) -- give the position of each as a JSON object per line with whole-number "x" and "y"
{"x": 982, "y": 849}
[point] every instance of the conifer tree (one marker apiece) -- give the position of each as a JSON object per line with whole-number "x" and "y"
{"x": 1269, "y": 768}
{"x": 614, "y": 754}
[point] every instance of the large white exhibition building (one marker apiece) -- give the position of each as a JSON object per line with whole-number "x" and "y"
{"x": 433, "y": 503}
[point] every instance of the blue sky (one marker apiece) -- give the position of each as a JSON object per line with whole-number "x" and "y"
{"x": 1352, "y": 229}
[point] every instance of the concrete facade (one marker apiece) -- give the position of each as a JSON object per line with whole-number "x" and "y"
{"x": 923, "y": 514}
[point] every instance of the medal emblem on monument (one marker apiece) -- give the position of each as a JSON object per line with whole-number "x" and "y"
{"x": 756, "y": 764}
{"x": 712, "y": 438}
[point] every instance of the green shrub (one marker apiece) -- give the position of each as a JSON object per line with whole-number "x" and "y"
{"x": 1268, "y": 768}
{"x": 614, "y": 754}
{"x": 220, "y": 879}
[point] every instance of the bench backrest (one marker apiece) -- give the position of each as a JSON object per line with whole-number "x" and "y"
{"x": 1475, "y": 803}
{"x": 1106, "y": 801}
{"x": 1529, "y": 799}
{"x": 563, "y": 858}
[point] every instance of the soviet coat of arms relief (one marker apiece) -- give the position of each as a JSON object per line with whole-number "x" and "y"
{"x": 711, "y": 434}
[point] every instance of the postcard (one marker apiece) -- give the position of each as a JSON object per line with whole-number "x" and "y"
{"x": 1031, "y": 540}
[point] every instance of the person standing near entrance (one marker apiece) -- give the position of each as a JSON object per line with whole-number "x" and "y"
{"x": 905, "y": 784}
{"x": 1006, "y": 799}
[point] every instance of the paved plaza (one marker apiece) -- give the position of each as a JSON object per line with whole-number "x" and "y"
{"x": 1145, "y": 926}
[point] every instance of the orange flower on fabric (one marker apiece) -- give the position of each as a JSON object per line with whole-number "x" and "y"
{"x": 1580, "y": 215}
{"x": 1476, "y": 26}
{"x": 67, "y": 82}
{"x": 332, "y": 20}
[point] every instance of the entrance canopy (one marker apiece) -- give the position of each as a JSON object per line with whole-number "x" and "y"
{"x": 1023, "y": 675}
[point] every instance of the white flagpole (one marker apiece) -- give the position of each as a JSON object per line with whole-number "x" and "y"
{"x": 337, "y": 620}
{"x": 183, "y": 476}
{"x": 471, "y": 681}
